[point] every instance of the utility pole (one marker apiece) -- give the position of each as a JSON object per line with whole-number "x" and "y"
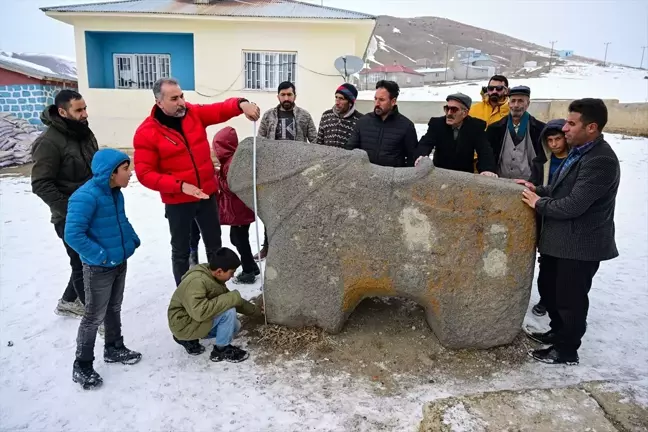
{"x": 606, "y": 48}
{"x": 446, "y": 67}
{"x": 643, "y": 50}
{"x": 551, "y": 54}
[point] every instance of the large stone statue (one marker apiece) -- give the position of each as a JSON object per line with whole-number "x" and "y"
{"x": 341, "y": 229}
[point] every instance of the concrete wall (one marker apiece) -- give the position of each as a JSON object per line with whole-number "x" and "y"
{"x": 218, "y": 63}
{"x": 630, "y": 118}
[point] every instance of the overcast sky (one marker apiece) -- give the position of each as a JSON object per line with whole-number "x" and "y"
{"x": 581, "y": 25}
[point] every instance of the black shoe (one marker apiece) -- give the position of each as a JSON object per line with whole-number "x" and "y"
{"x": 546, "y": 338}
{"x": 84, "y": 374}
{"x": 539, "y": 310}
{"x": 230, "y": 353}
{"x": 193, "y": 257}
{"x": 245, "y": 278}
{"x": 192, "y": 347}
{"x": 261, "y": 255}
{"x": 552, "y": 356}
{"x": 118, "y": 353}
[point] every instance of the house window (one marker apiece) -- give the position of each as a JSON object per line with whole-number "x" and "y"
{"x": 140, "y": 71}
{"x": 266, "y": 70}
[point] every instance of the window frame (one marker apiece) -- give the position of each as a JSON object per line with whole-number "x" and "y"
{"x": 134, "y": 59}
{"x": 268, "y": 82}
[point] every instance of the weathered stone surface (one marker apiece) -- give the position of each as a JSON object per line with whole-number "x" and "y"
{"x": 341, "y": 229}
{"x": 624, "y": 403}
{"x": 554, "y": 410}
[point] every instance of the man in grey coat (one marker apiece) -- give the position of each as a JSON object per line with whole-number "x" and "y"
{"x": 577, "y": 211}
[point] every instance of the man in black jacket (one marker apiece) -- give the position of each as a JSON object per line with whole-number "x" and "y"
{"x": 515, "y": 139}
{"x": 62, "y": 163}
{"x": 577, "y": 209}
{"x": 388, "y": 137}
{"x": 456, "y": 137}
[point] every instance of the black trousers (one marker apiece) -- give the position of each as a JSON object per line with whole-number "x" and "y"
{"x": 240, "y": 238}
{"x": 564, "y": 286}
{"x": 74, "y": 288}
{"x": 180, "y": 216}
{"x": 194, "y": 236}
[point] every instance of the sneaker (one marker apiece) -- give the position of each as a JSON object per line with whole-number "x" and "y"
{"x": 193, "y": 347}
{"x": 193, "y": 257}
{"x": 245, "y": 278}
{"x": 84, "y": 374}
{"x": 539, "y": 310}
{"x": 552, "y": 356}
{"x": 73, "y": 309}
{"x": 545, "y": 338}
{"x": 230, "y": 353}
{"x": 118, "y": 353}
{"x": 262, "y": 254}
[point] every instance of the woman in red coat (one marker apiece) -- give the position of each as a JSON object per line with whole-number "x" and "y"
{"x": 231, "y": 210}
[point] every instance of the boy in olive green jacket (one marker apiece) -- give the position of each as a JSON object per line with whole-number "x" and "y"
{"x": 202, "y": 307}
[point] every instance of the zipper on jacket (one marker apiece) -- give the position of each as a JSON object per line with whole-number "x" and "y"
{"x": 121, "y": 233}
{"x": 193, "y": 162}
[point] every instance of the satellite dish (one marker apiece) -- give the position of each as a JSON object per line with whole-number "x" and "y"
{"x": 348, "y": 65}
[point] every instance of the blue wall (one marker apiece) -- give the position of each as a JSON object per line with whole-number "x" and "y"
{"x": 27, "y": 101}
{"x": 100, "y": 47}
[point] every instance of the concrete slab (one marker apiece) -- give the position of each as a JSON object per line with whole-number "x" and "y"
{"x": 626, "y": 404}
{"x": 553, "y": 410}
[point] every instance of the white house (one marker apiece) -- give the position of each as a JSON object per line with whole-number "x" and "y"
{"x": 216, "y": 48}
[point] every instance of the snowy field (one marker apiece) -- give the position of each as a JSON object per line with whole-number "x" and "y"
{"x": 572, "y": 81}
{"x": 169, "y": 390}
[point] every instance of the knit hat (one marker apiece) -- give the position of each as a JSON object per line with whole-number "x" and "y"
{"x": 520, "y": 90}
{"x": 349, "y": 92}
{"x": 461, "y": 98}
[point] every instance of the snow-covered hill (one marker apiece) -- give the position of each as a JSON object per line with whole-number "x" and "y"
{"x": 53, "y": 65}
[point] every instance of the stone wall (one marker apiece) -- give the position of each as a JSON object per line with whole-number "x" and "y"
{"x": 27, "y": 101}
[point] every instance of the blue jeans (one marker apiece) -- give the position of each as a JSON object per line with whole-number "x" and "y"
{"x": 226, "y": 326}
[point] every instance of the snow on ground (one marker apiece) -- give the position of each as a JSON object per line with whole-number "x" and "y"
{"x": 572, "y": 81}
{"x": 396, "y": 30}
{"x": 169, "y": 390}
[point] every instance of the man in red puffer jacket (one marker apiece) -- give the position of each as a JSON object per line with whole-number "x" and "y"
{"x": 172, "y": 156}
{"x": 233, "y": 211}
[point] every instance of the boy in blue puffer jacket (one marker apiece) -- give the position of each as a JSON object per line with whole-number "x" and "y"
{"x": 98, "y": 230}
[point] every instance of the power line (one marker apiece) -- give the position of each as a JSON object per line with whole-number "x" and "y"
{"x": 258, "y": 64}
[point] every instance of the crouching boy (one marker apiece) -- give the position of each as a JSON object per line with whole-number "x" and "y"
{"x": 99, "y": 231}
{"x": 202, "y": 307}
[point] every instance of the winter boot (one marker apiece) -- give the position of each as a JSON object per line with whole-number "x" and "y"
{"x": 84, "y": 374}
{"x": 229, "y": 353}
{"x": 552, "y": 356}
{"x": 193, "y": 347}
{"x": 245, "y": 278}
{"x": 193, "y": 257}
{"x": 118, "y": 353}
{"x": 539, "y": 310}
{"x": 73, "y": 309}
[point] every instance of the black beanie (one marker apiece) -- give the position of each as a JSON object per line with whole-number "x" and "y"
{"x": 349, "y": 92}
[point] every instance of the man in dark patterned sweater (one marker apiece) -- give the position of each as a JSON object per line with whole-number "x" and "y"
{"x": 337, "y": 123}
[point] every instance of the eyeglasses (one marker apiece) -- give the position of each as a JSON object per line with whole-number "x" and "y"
{"x": 498, "y": 88}
{"x": 451, "y": 109}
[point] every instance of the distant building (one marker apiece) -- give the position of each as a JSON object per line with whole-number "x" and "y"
{"x": 435, "y": 75}
{"x": 471, "y": 63}
{"x": 565, "y": 53}
{"x": 403, "y": 75}
{"x": 424, "y": 63}
{"x": 27, "y": 88}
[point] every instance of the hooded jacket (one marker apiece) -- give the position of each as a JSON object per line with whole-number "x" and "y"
{"x": 541, "y": 164}
{"x": 200, "y": 298}
{"x": 484, "y": 110}
{"x": 231, "y": 210}
{"x": 62, "y": 159}
{"x": 165, "y": 159}
{"x": 96, "y": 226}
